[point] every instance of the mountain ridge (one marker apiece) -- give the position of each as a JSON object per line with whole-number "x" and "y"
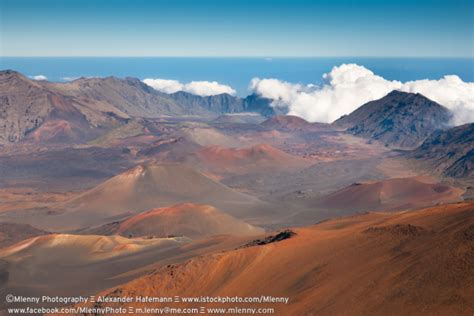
{"x": 334, "y": 255}
{"x": 449, "y": 152}
{"x": 96, "y": 104}
{"x": 399, "y": 119}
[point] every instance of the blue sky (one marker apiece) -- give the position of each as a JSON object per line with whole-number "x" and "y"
{"x": 237, "y": 28}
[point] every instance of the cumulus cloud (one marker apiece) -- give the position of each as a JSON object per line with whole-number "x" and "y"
{"x": 205, "y": 88}
{"x": 202, "y": 88}
{"x": 39, "y": 77}
{"x": 348, "y": 86}
{"x": 166, "y": 86}
{"x": 450, "y": 91}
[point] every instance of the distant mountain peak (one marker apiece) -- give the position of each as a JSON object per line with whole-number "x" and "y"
{"x": 89, "y": 101}
{"x": 12, "y": 74}
{"x": 400, "y": 119}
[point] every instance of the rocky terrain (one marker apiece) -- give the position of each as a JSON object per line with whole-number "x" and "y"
{"x": 125, "y": 190}
{"x": 28, "y": 106}
{"x": 376, "y": 264}
{"x": 80, "y": 109}
{"x": 449, "y": 152}
{"x": 399, "y": 119}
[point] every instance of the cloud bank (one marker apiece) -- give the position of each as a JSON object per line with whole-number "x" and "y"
{"x": 39, "y": 77}
{"x": 349, "y": 86}
{"x": 450, "y": 91}
{"x": 69, "y": 78}
{"x": 202, "y": 88}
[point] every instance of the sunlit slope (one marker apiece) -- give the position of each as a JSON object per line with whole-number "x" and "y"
{"x": 372, "y": 264}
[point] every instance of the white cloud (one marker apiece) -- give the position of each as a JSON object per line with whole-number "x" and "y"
{"x": 450, "y": 91}
{"x": 69, "y": 78}
{"x": 349, "y": 86}
{"x": 202, "y": 88}
{"x": 39, "y": 77}
{"x": 208, "y": 88}
{"x": 163, "y": 85}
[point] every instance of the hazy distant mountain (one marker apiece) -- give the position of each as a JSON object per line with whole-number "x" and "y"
{"x": 129, "y": 95}
{"x": 240, "y": 118}
{"x": 86, "y": 107}
{"x": 449, "y": 152}
{"x": 290, "y": 122}
{"x": 399, "y": 119}
{"x": 137, "y": 99}
{"x": 225, "y": 103}
{"x": 221, "y": 103}
{"x": 28, "y": 106}
{"x": 255, "y": 103}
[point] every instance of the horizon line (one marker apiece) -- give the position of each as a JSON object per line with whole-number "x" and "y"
{"x": 259, "y": 57}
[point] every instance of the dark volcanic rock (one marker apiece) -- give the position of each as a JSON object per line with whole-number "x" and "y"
{"x": 399, "y": 119}
{"x": 226, "y": 103}
{"x": 285, "y": 234}
{"x": 255, "y": 103}
{"x": 398, "y": 229}
{"x": 218, "y": 104}
{"x": 449, "y": 152}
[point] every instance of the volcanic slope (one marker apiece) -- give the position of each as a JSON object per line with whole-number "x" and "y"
{"x": 142, "y": 188}
{"x": 372, "y": 264}
{"x": 31, "y": 108}
{"x": 399, "y": 119}
{"x": 190, "y": 220}
{"x": 450, "y": 152}
{"x": 290, "y": 122}
{"x": 41, "y": 264}
{"x": 254, "y": 159}
{"x": 391, "y": 194}
{"x": 85, "y": 108}
{"x": 206, "y": 136}
{"x": 11, "y": 233}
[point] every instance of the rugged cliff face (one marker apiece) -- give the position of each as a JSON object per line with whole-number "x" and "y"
{"x": 399, "y": 119}
{"x": 39, "y": 109}
{"x": 24, "y": 105}
{"x": 449, "y": 152}
{"x": 86, "y": 106}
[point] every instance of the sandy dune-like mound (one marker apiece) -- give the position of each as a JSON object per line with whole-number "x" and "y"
{"x": 142, "y": 188}
{"x": 258, "y": 158}
{"x": 170, "y": 149}
{"x": 187, "y": 219}
{"x": 63, "y": 264}
{"x": 66, "y": 248}
{"x": 11, "y": 233}
{"x": 401, "y": 193}
{"x": 372, "y": 264}
{"x": 206, "y": 136}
